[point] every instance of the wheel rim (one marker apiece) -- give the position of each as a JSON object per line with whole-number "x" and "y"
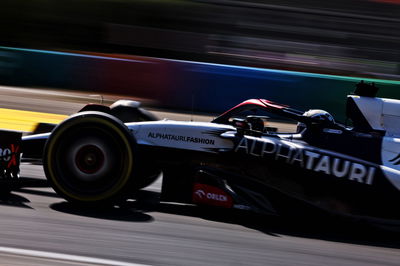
{"x": 89, "y": 159}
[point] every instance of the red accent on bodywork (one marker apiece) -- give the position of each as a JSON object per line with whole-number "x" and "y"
{"x": 250, "y": 102}
{"x": 260, "y": 102}
{"x": 271, "y": 104}
{"x": 210, "y": 195}
{"x": 247, "y": 102}
{"x": 14, "y": 152}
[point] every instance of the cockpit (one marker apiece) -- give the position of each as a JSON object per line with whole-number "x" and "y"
{"x": 261, "y": 117}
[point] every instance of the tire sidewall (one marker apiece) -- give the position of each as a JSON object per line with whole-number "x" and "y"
{"x": 119, "y": 189}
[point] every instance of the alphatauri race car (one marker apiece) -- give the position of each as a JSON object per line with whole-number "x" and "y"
{"x": 103, "y": 155}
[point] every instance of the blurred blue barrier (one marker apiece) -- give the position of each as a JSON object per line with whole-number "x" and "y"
{"x": 178, "y": 84}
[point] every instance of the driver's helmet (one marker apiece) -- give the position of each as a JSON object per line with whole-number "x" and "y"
{"x": 318, "y": 114}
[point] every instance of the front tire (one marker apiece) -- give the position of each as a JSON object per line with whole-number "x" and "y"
{"x": 90, "y": 158}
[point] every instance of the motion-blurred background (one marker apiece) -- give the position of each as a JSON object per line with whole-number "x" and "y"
{"x": 359, "y": 38}
{"x": 341, "y": 36}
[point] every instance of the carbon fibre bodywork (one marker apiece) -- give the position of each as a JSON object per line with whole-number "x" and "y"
{"x": 236, "y": 161}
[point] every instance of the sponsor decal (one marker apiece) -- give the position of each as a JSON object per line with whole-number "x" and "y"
{"x": 200, "y": 194}
{"x": 9, "y": 161}
{"x": 395, "y": 160}
{"x": 310, "y": 160}
{"x": 210, "y": 195}
{"x": 9, "y": 155}
{"x": 10, "y": 152}
{"x": 180, "y": 138}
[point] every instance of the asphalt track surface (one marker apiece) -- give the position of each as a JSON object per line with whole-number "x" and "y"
{"x": 39, "y": 228}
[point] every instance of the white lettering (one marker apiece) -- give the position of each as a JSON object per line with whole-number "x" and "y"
{"x": 311, "y": 156}
{"x": 323, "y": 165}
{"x": 7, "y": 155}
{"x": 357, "y": 172}
{"x": 298, "y": 157}
{"x": 180, "y": 138}
{"x": 253, "y": 145}
{"x": 242, "y": 145}
{"x": 216, "y": 197}
{"x": 279, "y": 154}
{"x": 314, "y": 161}
{"x": 370, "y": 176}
{"x": 335, "y": 168}
{"x": 272, "y": 148}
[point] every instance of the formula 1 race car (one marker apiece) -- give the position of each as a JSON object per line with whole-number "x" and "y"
{"x": 237, "y": 160}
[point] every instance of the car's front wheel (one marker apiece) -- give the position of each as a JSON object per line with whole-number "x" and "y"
{"x": 90, "y": 158}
